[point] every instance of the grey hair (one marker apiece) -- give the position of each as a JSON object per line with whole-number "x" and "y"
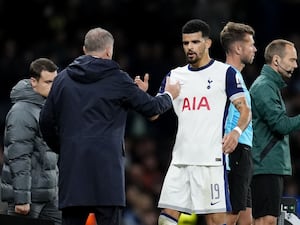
{"x": 97, "y": 39}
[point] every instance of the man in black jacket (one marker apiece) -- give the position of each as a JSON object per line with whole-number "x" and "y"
{"x": 84, "y": 118}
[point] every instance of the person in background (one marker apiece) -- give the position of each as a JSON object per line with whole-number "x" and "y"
{"x": 84, "y": 119}
{"x": 29, "y": 181}
{"x": 271, "y": 129}
{"x": 3, "y": 205}
{"x": 196, "y": 178}
{"x": 238, "y": 43}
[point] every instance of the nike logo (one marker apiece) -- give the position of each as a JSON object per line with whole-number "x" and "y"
{"x": 213, "y": 203}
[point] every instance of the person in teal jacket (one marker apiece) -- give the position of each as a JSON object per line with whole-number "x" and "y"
{"x": 271, "y": 128}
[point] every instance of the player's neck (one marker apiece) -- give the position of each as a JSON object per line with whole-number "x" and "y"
{"x": 203, "y": 62}
{"x": 235, "y": 62}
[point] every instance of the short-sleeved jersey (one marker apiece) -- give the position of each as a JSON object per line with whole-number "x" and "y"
{"x": 233, "y": 117}
{"x": 201, "y": 108}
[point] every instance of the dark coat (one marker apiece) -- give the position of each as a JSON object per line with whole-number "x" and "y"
{"x": 30, "y": 172}
{"x": 85, "y": 116}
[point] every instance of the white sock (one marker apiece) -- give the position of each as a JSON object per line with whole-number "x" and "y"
{"x": 165, "y": 219}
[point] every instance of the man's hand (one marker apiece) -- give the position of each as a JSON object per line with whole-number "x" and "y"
{"x": 22, "y": 209}
{"x": 143, "y": 85}
{"x": 230, "y": 141}
{"x": 173, "y": 89}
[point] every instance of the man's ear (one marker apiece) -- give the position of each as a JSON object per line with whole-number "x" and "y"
{"x": 208, "y": 42}
{"x": 108, "y": 52}
{"x": 33, "y": 82}
{"x": 238, "y": 48}
{"x": 275, "y": 60}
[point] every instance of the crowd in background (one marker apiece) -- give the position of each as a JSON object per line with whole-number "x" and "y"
{"x": 147, "y": 40}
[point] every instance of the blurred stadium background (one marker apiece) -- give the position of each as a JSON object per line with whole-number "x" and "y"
{"x": 147, "y": 39}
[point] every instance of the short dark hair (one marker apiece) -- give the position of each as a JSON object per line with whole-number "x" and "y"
{"x": 39, "y": 65}
{"x": 196, "y": 25}
{"x": 276, "y": 47}
{"x": 233, "y": 32}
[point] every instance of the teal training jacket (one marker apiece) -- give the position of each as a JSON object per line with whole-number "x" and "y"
{"x": 271, "y": 125}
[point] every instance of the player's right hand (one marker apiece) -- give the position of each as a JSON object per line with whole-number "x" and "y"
{"x": 173, "y": 89}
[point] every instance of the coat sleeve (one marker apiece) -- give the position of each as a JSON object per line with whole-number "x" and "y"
{"x": 270, "y": 106}
{"x": 21, "y": 129}
{"x": 144, "y": 103}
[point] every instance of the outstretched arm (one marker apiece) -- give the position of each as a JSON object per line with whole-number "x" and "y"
{"x": 172, "y": 90}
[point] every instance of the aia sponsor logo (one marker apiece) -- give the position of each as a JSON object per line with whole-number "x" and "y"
{"x": 195, "y": 103}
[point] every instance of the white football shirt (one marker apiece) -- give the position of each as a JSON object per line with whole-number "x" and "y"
{"x": 201, "y": 108}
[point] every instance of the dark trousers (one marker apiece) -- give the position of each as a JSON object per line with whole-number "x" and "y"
{"x": 47, "y": 211}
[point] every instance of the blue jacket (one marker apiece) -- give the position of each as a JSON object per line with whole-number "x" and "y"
{"x": 85, "y": 117}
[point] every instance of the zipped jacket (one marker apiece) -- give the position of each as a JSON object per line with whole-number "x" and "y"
{"x": 30, "y": 172}
{"x": 271, "y": 125}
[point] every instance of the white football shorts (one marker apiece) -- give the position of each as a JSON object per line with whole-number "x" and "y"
{"x": 195, "y": 189}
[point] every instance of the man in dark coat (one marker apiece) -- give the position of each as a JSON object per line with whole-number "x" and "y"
{"x": 85, "y": 117}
